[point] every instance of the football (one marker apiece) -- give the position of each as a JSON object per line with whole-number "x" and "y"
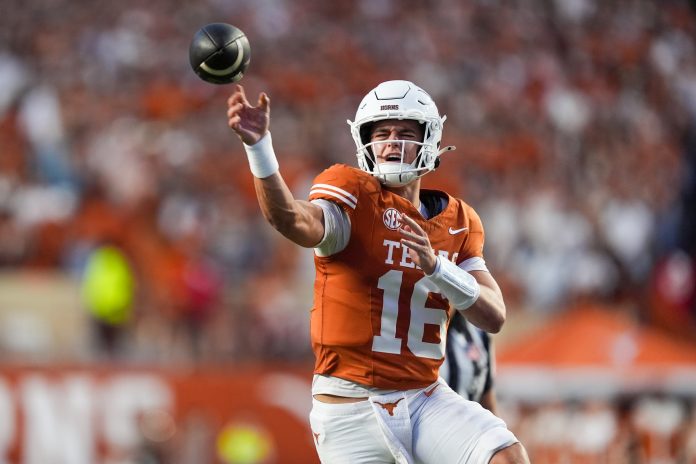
{"x": 219, "y": 53}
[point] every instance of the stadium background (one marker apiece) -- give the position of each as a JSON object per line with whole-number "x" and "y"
{"x": 148, "y": 314}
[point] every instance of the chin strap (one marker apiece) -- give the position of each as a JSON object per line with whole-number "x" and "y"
{"x": 446, "y": 149}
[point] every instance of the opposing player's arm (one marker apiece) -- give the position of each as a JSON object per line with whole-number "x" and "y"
{"x": 300, "y": 221}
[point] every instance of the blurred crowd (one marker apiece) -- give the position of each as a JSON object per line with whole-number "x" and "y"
{"x": 648, "y": 429}
{"x": 574, "y": 122}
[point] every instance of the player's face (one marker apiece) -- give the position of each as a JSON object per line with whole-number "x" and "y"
{"x": 393, "y": 136}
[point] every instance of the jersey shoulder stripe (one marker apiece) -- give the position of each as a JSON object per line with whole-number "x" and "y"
{"x": 339, "y": 183}
{"x": 336, "y": 192}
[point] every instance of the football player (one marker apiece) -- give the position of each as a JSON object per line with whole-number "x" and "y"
{"x": 390, "y": 258}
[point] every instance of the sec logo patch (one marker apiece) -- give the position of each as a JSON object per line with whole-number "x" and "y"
{"x": 392, "y": 219}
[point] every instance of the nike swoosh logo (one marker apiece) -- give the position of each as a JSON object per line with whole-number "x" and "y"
{"x": 456, "y": 231}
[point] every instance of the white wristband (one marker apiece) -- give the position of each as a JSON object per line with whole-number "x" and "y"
{"x": 262, "y": 158}
{"x": 461, "y": 288}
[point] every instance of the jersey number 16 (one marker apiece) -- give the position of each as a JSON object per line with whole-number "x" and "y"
{"x": 387, "y": 341}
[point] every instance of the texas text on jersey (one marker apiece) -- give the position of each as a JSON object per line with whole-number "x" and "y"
{"x": 377, "y": 320}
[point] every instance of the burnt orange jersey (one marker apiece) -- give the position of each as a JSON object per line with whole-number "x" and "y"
{"x": 377, "y": 320}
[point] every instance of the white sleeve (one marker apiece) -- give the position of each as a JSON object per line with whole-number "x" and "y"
{"x": 336, "y": 229}
{"x": 474, "y": 264}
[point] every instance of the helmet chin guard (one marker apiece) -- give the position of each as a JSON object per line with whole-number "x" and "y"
{"x": 398, "y": 100}
{"x": 395, "y": 174}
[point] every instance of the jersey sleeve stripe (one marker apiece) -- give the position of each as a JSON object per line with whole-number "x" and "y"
{"x": 336, "y": 189}
{"x": 345, "y": 200}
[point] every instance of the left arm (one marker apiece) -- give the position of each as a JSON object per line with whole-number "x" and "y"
{"x": 476, "y": 292}
{"x": 488, "y": 310}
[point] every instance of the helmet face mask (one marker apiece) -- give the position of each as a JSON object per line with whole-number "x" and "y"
{"x": 394, "y": 173}
{"x": 397, "y": 100}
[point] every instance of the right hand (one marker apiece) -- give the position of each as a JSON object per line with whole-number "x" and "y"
{"x": 250, "y": 123}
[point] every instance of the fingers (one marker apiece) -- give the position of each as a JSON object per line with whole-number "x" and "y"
{"x": 422, "y": 255}
{"x": 242, "y": 94}
{"x": 264, "y": 101}
{"x": 233, "y": 122}
{"x": 413, "y": 224}
{"x": 233, "y": 114}
{"x": 415, "y": 241}
{"x": 234, "y": 108}
{"x": 412, "y": 230}
{"x": 418, "y": 243}
{"x": 417, "y": 247}
{"x": 238, "y": 96}
{"x": 413, "y": 236}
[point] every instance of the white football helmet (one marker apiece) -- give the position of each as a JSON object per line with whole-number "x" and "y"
{"x": 398, "y": 100}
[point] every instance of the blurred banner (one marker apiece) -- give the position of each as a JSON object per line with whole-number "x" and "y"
{"x": 113, "y": 414}
{"x": 594, "y": 385}
{"x": 591, "y": 351}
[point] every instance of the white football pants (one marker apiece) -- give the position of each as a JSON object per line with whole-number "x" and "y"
{"x": 432, "y": 426}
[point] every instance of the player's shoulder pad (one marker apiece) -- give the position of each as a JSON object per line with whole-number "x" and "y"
{"x": 341, "y": 184}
